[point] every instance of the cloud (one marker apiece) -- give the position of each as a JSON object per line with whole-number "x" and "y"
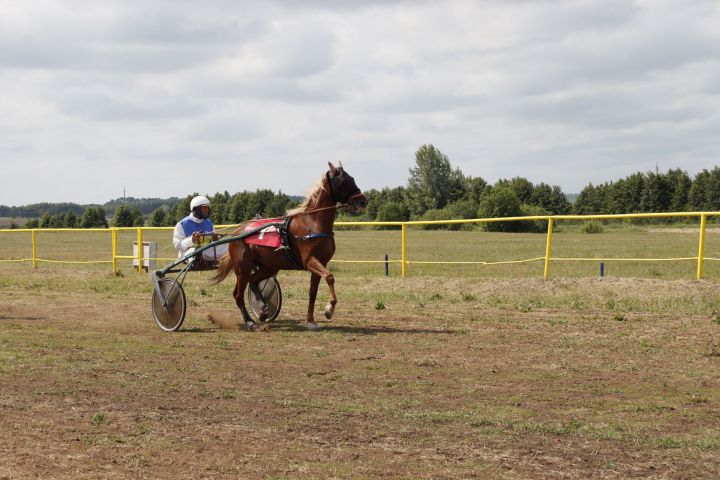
{"x": 566, "y": 92}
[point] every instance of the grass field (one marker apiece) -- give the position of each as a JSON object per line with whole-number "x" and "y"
{"x": 449, "y": 373}
{"x": 439, "y": 246}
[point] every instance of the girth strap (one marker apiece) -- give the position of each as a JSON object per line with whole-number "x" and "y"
{"x": 285, "y": 235}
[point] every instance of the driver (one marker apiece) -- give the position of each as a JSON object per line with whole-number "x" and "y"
{"x": 196, "y": 230}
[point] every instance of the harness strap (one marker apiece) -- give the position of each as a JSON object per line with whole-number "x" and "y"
{"x": 285, "y": 239}
{"x": 318, "y": 235}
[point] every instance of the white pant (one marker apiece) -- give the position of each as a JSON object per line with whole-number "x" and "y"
{"x": 212, "y": 254}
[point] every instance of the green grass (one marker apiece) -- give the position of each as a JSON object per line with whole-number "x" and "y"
{"x": 627, "y": 242}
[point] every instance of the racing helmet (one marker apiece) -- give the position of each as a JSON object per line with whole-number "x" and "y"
{"x": 199, "y": 201}
{"x": 196, "y": 203}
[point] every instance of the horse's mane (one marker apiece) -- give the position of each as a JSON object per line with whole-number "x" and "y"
{"x": 311, "y": 198}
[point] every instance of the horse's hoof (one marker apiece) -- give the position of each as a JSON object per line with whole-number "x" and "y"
{"x": 252, "y": 327}
{"x": 311, "y": 326}
{"x": 329, "y": 310}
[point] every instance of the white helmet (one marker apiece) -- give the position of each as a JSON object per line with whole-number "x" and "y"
{"x": 199, "y": 201}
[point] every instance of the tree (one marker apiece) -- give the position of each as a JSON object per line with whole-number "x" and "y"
{"x": 376, "y": 199}
{"x": 523, "y": 189}
{"x": 71, "y": 219}
{"x": 137, "y": 217}
{"x": 158, "y": 218}
{"x": 123, "y": 217}
{"x": 181, "y": 210}
{"x": 679, "y": 183}
{"x": 634, "y": 185}
{"x": 474, "y": 187}
{"x": 45, "y": 221}
{"x": 236, "y": 211}
{"x": 219, "y": 207}
{"x": 279, "y": 204}
{"x": 390, "y": 212}
{"x": 590, "y": 201}
{"x": 258, "y": 203}
{"x": 551, "y": 199}
{"x": 94, "y": 217}
{"x": 432, "y": 183}
{"x": 500, "y": 202}
{"x": 655, "y": 195}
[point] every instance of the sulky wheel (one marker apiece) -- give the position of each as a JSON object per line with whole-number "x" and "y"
{"x": 170, "y": 316}
{"x": 265, "y": 294}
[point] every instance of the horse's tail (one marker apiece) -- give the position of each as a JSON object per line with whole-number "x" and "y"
{"x": 224, "y": 269}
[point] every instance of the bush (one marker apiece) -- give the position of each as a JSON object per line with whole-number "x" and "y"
{"x": 532, "y": 226}
{"x": 390, "y": 212}
{"x": 592, "y": 226}
{"x": 503, "y": 202}
{"x": 435, "y": 215}
{"x": 500, "y": 202}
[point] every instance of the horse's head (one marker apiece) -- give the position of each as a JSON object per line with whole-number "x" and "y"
{"x": 344, "y": 189}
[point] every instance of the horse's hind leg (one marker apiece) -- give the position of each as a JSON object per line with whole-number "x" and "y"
{"x": 239, "y": 294}
{"x": 242, "y": 272}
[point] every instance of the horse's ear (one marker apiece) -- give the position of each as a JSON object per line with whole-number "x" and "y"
{"x": 340, "y": 163}
{"x": 333, "y": 170}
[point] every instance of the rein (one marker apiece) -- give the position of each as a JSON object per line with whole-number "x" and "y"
{"x": 310, "y": 212}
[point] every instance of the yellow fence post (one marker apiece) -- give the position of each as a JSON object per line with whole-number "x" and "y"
{"x": 701, "y": 246}
{"x": 113, "y": 234}
{"x": 548, "y": 248}
{"x": 140, "y": 249}
{"x": 34, "y": 249}
{"x": 403, "y": 250}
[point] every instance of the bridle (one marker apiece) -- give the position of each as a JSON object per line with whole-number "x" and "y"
{"x": 333, "y": 194}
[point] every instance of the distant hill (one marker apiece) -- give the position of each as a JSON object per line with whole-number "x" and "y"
{"x": 146, "y": 206}
{"x": 36, "y": 210}
{"x": 571, "y": 197}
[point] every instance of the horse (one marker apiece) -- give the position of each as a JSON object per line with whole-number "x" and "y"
{"x": 310, "y": 244}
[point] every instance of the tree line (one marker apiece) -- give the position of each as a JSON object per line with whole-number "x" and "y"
{"x": 228, "y": 209}
{"x": 673, "y": 191}
{"x": 225, "y": 209}
{"x": 434, "y": 191}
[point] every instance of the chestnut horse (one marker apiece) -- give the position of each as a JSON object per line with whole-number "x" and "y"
{"x": 310, "y": 241}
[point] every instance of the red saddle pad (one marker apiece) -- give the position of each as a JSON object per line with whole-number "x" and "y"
{"x": 267, "y": 237}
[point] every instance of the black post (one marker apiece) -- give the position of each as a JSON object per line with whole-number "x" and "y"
{"x": 387, "y": 266}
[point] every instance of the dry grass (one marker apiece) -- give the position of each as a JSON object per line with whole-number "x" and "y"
{"x": 454, "y": 378}
{"x": 454, "y": 372}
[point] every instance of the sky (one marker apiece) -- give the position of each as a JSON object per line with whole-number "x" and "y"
{"x": 166, "y": 98}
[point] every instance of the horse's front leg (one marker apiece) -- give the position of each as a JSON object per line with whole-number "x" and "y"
{"x": 310, "y": 320}
{"x": 318, "y": 268}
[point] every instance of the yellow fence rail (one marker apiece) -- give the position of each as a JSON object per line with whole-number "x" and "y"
{"x": 404, "y": 261}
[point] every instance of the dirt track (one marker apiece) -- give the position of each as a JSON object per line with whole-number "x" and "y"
{"x": 92, "y": 389}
